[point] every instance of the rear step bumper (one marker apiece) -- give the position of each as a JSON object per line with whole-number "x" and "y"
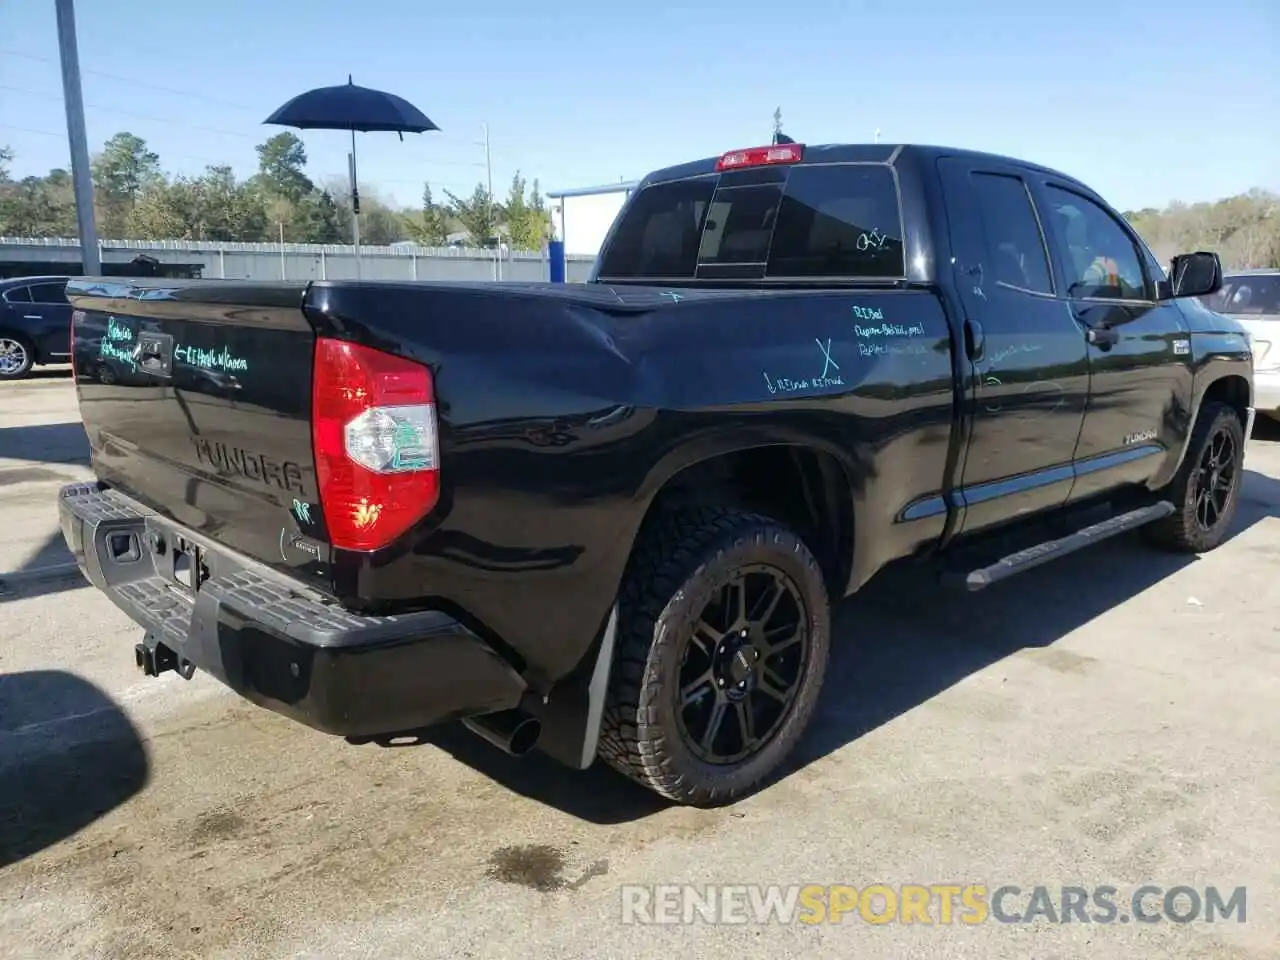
{"x": 274, "y": 643}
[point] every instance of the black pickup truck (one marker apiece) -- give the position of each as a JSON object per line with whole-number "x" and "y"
{"x": 609, "y": 519}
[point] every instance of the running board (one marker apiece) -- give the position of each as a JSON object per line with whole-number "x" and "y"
{"x": 1053, "y": 549}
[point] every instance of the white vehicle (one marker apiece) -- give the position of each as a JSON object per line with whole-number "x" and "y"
{"x": 1253, "y": 298}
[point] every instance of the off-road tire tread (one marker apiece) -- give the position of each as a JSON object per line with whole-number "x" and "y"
{"x": 1179, "y": 532}
{"x": 673, "y": 553}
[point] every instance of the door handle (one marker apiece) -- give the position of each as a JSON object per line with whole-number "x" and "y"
{"x": 974, "y": 339}
{"x": 1104, "y": 337}
{"x": 154, "y": 353}
{"x": 32, "y": 316}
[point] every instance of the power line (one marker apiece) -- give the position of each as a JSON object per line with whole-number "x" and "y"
{"x": 151, "y": 85}
{"x": 428, "y": 161}
{"x": 130, "y": 113}
{"x": 216, "y": 162}
{"x": 135, "y": 80}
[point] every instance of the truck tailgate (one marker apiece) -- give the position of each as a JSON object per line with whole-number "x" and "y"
{"x": 199, "y": 406}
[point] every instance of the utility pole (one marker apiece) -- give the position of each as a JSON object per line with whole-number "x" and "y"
{"x": 78, "y": 140}
{"x": 877, "y": 134}
{"x": 488, "y": 164}
{"x": 777, "y": 123}
{"x": 355, "y": 200}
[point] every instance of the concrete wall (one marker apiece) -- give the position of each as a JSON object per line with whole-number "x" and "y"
{"x": 298, "y": 261}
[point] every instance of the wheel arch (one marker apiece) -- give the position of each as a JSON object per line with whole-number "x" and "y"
{"x": 820, "y": 509}
{"x": 802, "y": 485}
{"x": 1219, "y": 383}
{"x": 1234, "y": 390}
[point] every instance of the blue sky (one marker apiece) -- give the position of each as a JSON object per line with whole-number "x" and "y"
{"x": 1145, "y": 101}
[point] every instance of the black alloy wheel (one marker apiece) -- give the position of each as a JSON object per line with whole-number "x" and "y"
{"x": 1206, "y": 489}
{"x": 742, "y": 666}
{"x": 723, "y": 638}
{"x": 1215, "y": 479}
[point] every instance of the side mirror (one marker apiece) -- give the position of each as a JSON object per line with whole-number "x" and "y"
{"x": 1194, "y": 275}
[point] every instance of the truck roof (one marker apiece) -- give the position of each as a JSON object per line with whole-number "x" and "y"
{"x": 889, "y": 153}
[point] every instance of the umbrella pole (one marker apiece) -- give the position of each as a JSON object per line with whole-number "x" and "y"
{"x": 355, "y": 202}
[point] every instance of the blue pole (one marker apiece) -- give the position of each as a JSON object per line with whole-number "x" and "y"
{"x": 555, "y": 253}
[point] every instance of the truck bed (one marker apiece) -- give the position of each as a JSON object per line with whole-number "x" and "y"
{"x": 560, "y": 408}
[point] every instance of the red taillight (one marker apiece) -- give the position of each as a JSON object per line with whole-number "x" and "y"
{"x": 76, "y": 317}
{"x": 373, "y": 425}
{"x": 761, "y": 156}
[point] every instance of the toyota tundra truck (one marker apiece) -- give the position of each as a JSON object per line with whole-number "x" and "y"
{"x": 609, "y": 520}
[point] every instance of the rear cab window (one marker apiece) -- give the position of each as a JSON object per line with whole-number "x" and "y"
{"x": 839, "y": 221}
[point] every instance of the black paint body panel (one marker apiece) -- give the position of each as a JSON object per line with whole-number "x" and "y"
{"x": 565, "y": 409}
{"x": 288, "y": 651}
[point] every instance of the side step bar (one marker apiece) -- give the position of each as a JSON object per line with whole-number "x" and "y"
{"x": 1053, "y": 549}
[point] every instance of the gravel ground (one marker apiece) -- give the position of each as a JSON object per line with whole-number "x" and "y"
{"x": 1111, "y": 719}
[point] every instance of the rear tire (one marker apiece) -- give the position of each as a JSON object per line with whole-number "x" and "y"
{"x": 17, "y": 357}
{"x": 1206, "y": 489}
{"x": 689, "y": 649}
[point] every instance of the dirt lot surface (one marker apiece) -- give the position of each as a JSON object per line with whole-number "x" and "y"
{"x": 1111, "y": 719}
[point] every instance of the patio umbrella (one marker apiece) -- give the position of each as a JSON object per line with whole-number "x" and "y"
{"x": 349, "y": 107}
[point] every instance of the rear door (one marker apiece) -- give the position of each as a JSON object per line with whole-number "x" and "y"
{"x": 197, "y": 401}
{"x": 1028, "y": 363}
{"x": 53, "y": 329}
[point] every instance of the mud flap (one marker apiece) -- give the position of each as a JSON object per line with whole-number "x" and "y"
{"x": 571, "y": 714}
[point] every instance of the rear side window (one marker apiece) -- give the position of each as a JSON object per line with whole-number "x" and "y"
{"x": 1015, "y": 245}
{"x": 18, "y": 295}
{"x": 49, "y": 293}
{"x": 839, "y": 221}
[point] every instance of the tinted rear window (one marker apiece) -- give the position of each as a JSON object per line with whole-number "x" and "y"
{"x": 658, "y": 234}
{"x": 1246, "y": 295}
{"x": 840, "y": 221}
{"x": 49, "y": 293}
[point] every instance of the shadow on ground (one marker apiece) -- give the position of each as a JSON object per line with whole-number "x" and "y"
{"x": 597, "y": 795}
{"x": 898, "y": 643}
{"x": 57, "y": 371}
{"x": 31, "y": 486}
{"x": 68, "y": 755}
{"x": 42, "y": 443}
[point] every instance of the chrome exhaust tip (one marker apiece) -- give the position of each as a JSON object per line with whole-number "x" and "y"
{"x": 513, "y": 732}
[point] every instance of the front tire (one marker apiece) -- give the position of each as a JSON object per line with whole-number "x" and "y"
{"x": 16, "y": 357}
{"x": 722, "y": 646}
{"x": 1206, "y": 490}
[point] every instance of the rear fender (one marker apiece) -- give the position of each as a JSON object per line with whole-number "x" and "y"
{"x": 571, "y": 711}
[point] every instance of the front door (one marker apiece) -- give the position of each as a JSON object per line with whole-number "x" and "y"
{"x": 1139, "y": 347}
{"x": 1028, "y": 363}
